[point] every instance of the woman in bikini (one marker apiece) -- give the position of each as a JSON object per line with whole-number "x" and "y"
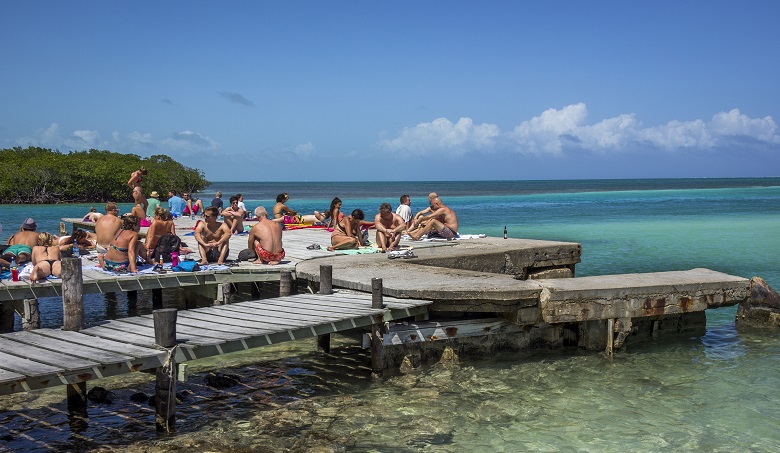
{"x": 46, "y": 258}
{"x": 346, "y": 234}
{"x": 135, "y": 183}
{"x": 161, "y": 224}
{"x": 122, "y": 249}
{"x": 333, "y": 215}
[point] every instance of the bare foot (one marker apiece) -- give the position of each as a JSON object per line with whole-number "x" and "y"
{"x": 330, "y": 248}
{"x": 273, "y": 263}
{"x": 203, "y": 263}
{"x": 259, "y": 261}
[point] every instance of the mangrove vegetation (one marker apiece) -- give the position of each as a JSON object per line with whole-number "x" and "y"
{"x": 40, "y": 175}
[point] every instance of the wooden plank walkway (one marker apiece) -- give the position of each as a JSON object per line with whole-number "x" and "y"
{"x": 50, "y": 357}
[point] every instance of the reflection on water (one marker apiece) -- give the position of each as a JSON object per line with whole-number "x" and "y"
{"x": 712, "y": 393}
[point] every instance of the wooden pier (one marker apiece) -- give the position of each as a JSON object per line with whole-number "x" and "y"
{"x": 43, "y": 358}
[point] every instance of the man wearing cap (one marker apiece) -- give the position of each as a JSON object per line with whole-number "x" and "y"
{"x": 107, "y": 227}
{"x": 21, "y": 243}
{"x": 154, "y": 201}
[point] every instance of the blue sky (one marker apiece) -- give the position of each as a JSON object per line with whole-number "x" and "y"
{"x": 403, "y": 90}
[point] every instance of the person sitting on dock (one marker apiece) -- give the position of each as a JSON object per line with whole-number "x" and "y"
{"x": 265, "y": 238}
{"x": 405, "y": 209}
{"x": 389, "y": 227}
{"x": 124, "y": 247}
{"x": 46, "y": 258}
{"x": 21, "y": 244}
{"x": 138, "y": 211}
{"x": 153, "y": 202}
{"x": 447, "y": 228}
{"x": 420, "y": 216}
{"x": 160, "y": 226}
{"x": 107, "y": 226}
{"x": 234, "y": 216}
{"x": 194, "y": 205}
{"x": 330, "y": 217}
{"x": 175, "y": 204}
{"x": 212, "y": 237}
{"x": 347, "y": 233}
{"x": 287, "y": 216}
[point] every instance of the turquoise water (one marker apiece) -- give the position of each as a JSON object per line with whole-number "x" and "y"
{"x": 716, "y": 392}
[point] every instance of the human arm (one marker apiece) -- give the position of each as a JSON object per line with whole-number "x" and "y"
{"x": 133, "y": 177}
{"x": 131, "y": 252}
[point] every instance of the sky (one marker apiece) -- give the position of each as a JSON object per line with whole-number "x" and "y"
{"x": 402, "y": 90}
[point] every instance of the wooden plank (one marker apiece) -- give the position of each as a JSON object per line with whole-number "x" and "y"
{"x": 185, "y": 333}
{"x": 308, "y": 316}
{"x": 254, "y": 322}
{"x": 26, "y": 367}
{"x": 118, "y": 335}
{"x": 296, "y": 306}
{"x": 31, "y": 340}
{"x": 113, "y": 346}
{"x": 278, "y": 324}
{"x": 9, "y": 376}
{"x": 56, "y": 359}
{"x": 214, "y": 324}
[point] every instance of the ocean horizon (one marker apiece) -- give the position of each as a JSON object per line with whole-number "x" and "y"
{"x": 711, "y": 392}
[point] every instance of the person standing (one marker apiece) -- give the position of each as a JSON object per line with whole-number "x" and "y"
{"x": 175, "y": 204}
{"x": 216, "y": 202}
{"x": 405, "y": 210}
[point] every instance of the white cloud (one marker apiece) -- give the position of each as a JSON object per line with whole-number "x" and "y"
{"x": 555, "y": 131}
{"x": 188, "y": 142}
{"x": 84, "y": 139}
{"x": 442, "y": 134}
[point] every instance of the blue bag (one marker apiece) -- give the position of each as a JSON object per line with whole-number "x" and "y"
{"x": 186, "y": 266}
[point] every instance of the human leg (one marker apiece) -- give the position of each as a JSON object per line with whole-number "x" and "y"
{"x": 224, "y": 250}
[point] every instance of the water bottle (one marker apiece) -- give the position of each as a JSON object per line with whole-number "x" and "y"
{"x": 76, "y": 252}
{"x": 504, "y": 232}
{"x": 174, "y": 259}
{"x": 14, "y": 271}
{"x": 192, "y": 214}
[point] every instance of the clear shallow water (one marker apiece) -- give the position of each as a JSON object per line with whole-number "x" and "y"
{"x": 711, "y": 393}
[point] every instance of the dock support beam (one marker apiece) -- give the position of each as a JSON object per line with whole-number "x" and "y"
{"x": 610, "y": 336}
{"x": 285, "y": 283}
{"x": 6, "y": 317}
{"x": 157, "y": 299}
{"x": 32, "y": 317}
{"x": 377, "y": 348}
{"x": 165, "y": 388}
{"x": 73, "y": 320}
{"x": 326, "y": 287}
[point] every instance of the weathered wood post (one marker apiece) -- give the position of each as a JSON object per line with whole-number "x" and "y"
{"x": 610, "y": 336}
{"x": 285, "y": 283}
{"x": 73, "y": 320}
{"x": 32, "y": 317}
{"x": 377, "y": 346}
{"x": 326, "y": 287}
{"x": 165, "y": 385}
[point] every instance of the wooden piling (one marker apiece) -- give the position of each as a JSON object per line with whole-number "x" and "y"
{"x": 326, "y": 279}
{"x": 165, "y": 389}
{"x": 326, "y": 287}
{"x": 73, "y": 320}
{"x": 377, "y": 348}
{"x": 610, "y": 336}
{"x": 285, "y": 283}
{"x": 32, "y": 317}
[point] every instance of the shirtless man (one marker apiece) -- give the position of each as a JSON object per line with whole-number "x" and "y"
{"x": 21, "y": 244}
{"x": 234, "y": 216}
{"x": 265, "y": 238}
{"x": 107, "y": 227}
{"x": 212, "y": 237}
{"x": 389, "y": 227}
{"x": 446, "y": 228}
{"x": 420, "y": 216}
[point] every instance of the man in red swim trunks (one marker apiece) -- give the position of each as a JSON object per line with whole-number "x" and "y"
{"x": 265, "y": 238}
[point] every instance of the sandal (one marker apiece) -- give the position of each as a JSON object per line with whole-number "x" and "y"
{"x": 314, "y": 247}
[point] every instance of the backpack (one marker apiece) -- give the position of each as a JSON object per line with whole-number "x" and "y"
{"x": 167, "y": 244}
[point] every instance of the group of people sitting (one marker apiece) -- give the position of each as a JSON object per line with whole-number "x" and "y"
{"x": 43, "y": 249}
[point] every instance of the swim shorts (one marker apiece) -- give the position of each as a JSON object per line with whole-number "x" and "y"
{"x": 267, "y": 256}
